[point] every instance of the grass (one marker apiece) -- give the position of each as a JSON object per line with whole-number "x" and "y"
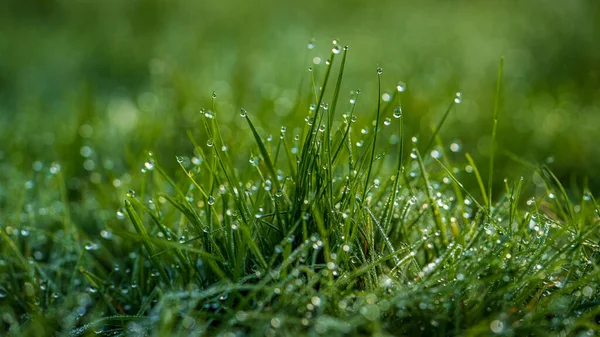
{"x": 331, "y": 230}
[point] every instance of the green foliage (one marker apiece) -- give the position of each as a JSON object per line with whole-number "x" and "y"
{"x": 327, "y": 229}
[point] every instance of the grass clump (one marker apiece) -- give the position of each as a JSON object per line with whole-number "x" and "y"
{"x": 332, "y": 230}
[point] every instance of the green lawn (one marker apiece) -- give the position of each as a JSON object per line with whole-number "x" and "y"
{"x": 194, "y": 169}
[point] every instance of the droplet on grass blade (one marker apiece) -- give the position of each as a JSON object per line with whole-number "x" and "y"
{"x": 458, "y": 97}
{"x": 401, "y": 86}
{"x": 398, "y": 112}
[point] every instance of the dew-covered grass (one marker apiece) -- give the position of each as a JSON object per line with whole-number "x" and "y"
{"x": 342, "y": 225}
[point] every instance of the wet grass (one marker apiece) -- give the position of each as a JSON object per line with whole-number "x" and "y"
{"x": 330, "y": 229}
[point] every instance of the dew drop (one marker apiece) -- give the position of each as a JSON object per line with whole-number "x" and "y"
{"x": 214, "y": 94}
{"x": 311, "y": 44}
{"x": 131, "y": 194}
{"x": 458, "y": 97}
{"x": 120, "y": 214}
{"x": 496, "y": 326}
{"x": 398, "y": 112}
{"x": 379, "y": 70}
{"x": 336, "y": 49}
{"x": 209, "y": 143}
{"x": 54, "y": 168}
{"x": 387, "y": 121}
{"x": 179, "y": 159}
{"x": 211, "y": 200}
{"x": 401, "y": 86}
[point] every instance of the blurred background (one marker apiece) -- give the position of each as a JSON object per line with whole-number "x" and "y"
{"x": 94, "y": 85}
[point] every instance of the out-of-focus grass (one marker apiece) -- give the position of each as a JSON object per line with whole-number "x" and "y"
{"x": 139, "y": 69}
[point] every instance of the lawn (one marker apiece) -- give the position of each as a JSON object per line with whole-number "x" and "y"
{"x": 179, "y": 169}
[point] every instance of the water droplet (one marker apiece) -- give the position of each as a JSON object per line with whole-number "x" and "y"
{"x": 283, "y": 129}
{"x": 401, "y": 86}
{"x": 387, "y": 121}
{"x": 89, "y": 246}
{"x": 346, "y": 48}
{"x": 335, "y": 41}
{"x": 211, "y": 200}
{"x": 458, "y": 97}
{"x": 131, "y": 194}
{"x": 106, "y": 234}
{"x": 149, "y": 165}
{"x": 496, "y": 326}
{"x": 379, "y": 70}
{"x": 336, "y": 49}
{"x": 243, "y": 113}
{"x": 25, "y": 232}
{"x": 179, "y": 159}
{"x": 54, "y": 168}
{"x": 454, "y": 147}
{"x": 310, "y": 69}
{"x": 214, "y": 95}
{"x": 120, "y": 214}
{"x": 386, "y": 97}
{"x": 209, "y": 143}
{"x": 364, "y": 131}
{"x": 398, "y": 112}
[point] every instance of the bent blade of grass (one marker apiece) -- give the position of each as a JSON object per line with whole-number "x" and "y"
{"x": 263, "y": 152}
{"x": 479, "y": 180}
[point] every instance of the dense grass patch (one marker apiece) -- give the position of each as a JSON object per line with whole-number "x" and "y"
{"x": 343, "y": 225}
